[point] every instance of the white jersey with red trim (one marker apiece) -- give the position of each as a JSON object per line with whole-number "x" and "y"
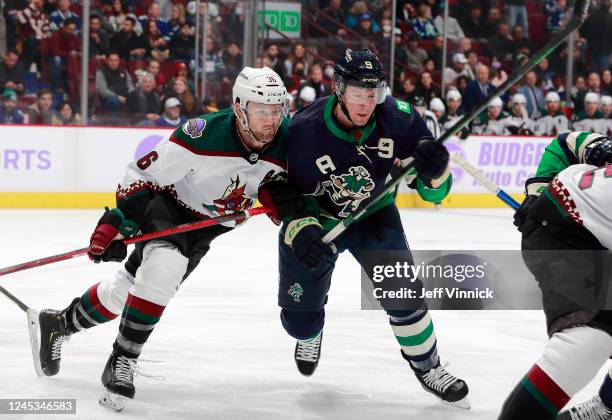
{"x": 588, "y": 200}
{"x": 205, "y": 166}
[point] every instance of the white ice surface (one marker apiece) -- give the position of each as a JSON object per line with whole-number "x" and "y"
{"x": 224, "y": 352}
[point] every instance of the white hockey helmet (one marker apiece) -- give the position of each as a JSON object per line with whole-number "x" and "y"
{"x": 453, "y": 94}
{"x": 552, "y": 97}
{"x": 519, "y": 98}
{"x": 308, "y": 94}
{"x": 591, "y": 97}
{"x": 436, "y": 104}
{"x": 496, "y": 103}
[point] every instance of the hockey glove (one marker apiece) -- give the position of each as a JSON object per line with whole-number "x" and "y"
{"x": 431, "y": 163}
{"x": 282, "y": 196}
{"x": 106, "y": 242}
{"x": 523, "y": 210}
{"x": 599, "y": 153}
{"x": 304, "y": 236}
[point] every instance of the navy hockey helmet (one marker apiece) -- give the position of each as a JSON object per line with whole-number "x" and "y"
{"x": 360, "y": 68}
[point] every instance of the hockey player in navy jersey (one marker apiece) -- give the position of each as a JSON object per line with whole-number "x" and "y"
{"x": 566, "y": 235}
{"x": 340, "y": 150}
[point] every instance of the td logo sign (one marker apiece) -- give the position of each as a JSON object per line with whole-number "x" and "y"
{"x": 284, "y": 17}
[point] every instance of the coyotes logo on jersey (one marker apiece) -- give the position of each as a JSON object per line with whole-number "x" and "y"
{"x": 349, "y": 190}
{"x": 233, "y": 200}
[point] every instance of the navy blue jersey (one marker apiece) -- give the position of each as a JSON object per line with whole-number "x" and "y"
{"x": 341, "y": 167}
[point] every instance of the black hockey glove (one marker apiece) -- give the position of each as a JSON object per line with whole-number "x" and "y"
{"x": 282, "y": 196}
{"x": 523, "y": 210}
{"x": 431, "y": 161}
{"x": 599, "y": 153}
{"x": 304, "y": 236}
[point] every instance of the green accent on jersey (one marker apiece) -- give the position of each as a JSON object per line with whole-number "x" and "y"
{"x": 581, "y": 115}
{"x": 554, "y": 159}
{"x": 354, "y": 184}
{"x": 556, "y": 203}
{"x": 541, "y": 398}
{"x": 403, "y": 106}
{"x": 357, "y": 135}
{"x": 219, "y": 135}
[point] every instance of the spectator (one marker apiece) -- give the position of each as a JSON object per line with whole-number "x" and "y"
{"x": 423, "y": 25}
{"x": 437, "y": 107}
{"x": 458, "y": 68}
{"x": 454, "y": 113}
{"x": 597, "y": 30}
{"x": 307, "y": 96}
{"x": 209, "y": 106}
{"x": 521, "y": 43}
{"x": 182, "y": 44}
{"x": 414, "y": 55}
{"x": 518, "y": 122}
{"x": 172, "y": 114}
{"x": 113, "y": 84}
{"x": 65, "y": 115}
{"x": 501, "y": 44}
{"x": 153, "y": 69}
{"x": 533, "y": 94}
{"x": 555, "y": 10}
{"x": 593, "y": 85}
{"x": 58, "y": 18}
{"x": 126, "y": 43}
{"x": 98, "y": 39}
{"x": 425, "y": 88}
{"x": 554, "y": 122}
{"x": 179, "y": 88}
{"x": 545, "y": 75}
{"x": 408, "y": 90}
{"x": 590, "y": 118}
{"x": 333, "y": 23}
{"x": 40, "y": 111}
{"x": 479, "y": 89}
{"x": 407, "y": 14}
{"x": 232, "y": 60}
{"x": 272, "y": 58}
{"x": 558, "y": 82}
{"x": 63, "y": 45}
{"x": 491, "y": 123}
{"x": 315, "y": 80}
{"x": 498, "y": 74}
{"x": 473, "y": 25}
{"x": 428, "y": 117}
{"x": 462, "y": 83}
{"x": 119, "y": 14}
{"x": 157, "y": 45}
{"x": 11, "y": 73}
{"x": 606, "y": 82}
{"x": 437, "y": 51}
{"x": 357, "y": 9}
{"x": 579, "y": 91}
{"x": 9, "y": 113}
{"x": 366, "y": 26}
{"x": 516, "y": 14}
{"x": 473, "y": 63}
{"x": 33, "y": 27}
{"x": 145, "y": 99}
{"x": 328, "y": 73}
{"x": 213, "y": 63}
{"x": 489, "y": 27}
{"x": 154, "y": 15}
{"x": 177, "y": 19}
{"x": 429, "y": 65}
{"x": 298, "y": 54}
{"x": 453, "y": 29}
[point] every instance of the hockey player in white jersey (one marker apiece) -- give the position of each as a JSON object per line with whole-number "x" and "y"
{"x": 492, "y": 121}
{"x": 518, "y": 122}
{"x": 453, "y": 114}
{"x": 431, "y": 121}
{"x": 567, "y": 234}
{"x": 590, "y": 118}
{"x": 554, "y": 122}
{"x": 606, "y": 110}
{"x": 213, "y": 165}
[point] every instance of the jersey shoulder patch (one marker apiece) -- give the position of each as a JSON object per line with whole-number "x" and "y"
{"x": 403, "y": 106}
{"x": 194, "y": 127}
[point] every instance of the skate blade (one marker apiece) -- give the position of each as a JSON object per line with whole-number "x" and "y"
{"x": 114, "y": 402}
{"x": 34, "y": 331}
{"x": 463, "y": 403}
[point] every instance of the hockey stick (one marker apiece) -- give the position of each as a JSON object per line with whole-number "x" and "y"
{"x": 140, "y": 238}
{"x": 484, "y": 181}
{"x": 578, "y": 16}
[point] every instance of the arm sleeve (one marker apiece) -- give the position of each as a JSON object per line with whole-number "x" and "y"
{"x": 165, "y": 165}
{"x": 304, "y": 178}
{"x": 102, "y": 87}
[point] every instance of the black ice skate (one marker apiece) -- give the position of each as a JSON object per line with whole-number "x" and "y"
{"x": 307, "y": 354}
{"x": 118, "y": 381}
{"x": 444, "y": 385}
{"x": 53, "y": 333}
{"x": 593, "y": 409}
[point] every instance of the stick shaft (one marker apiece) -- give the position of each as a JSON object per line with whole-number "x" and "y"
{"x": 15, "y": 300}
{"x": 578, "y": 16}
{"x": 146, "y": 237}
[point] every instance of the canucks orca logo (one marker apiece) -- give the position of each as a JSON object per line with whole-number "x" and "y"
{"x": 296, "y": 291}
{"x": 194, "y": 127}
{"x": 349, "y": 190}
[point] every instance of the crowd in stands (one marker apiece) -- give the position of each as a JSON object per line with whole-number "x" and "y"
{"x": 142, "y": 60}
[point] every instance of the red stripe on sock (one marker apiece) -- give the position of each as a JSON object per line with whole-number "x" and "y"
{"x": 144, "y": 306}
{"x": 547, "y": 387}
{"x": 92, "y": 293}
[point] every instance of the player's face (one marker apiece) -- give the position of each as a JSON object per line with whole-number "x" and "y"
{"x": 607, "y": 110}
{"x": 494, "y": 111}
{"x": 264, "y": 120}
{"x": 360, "y": 103}
{"x": 552, "y": 106}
